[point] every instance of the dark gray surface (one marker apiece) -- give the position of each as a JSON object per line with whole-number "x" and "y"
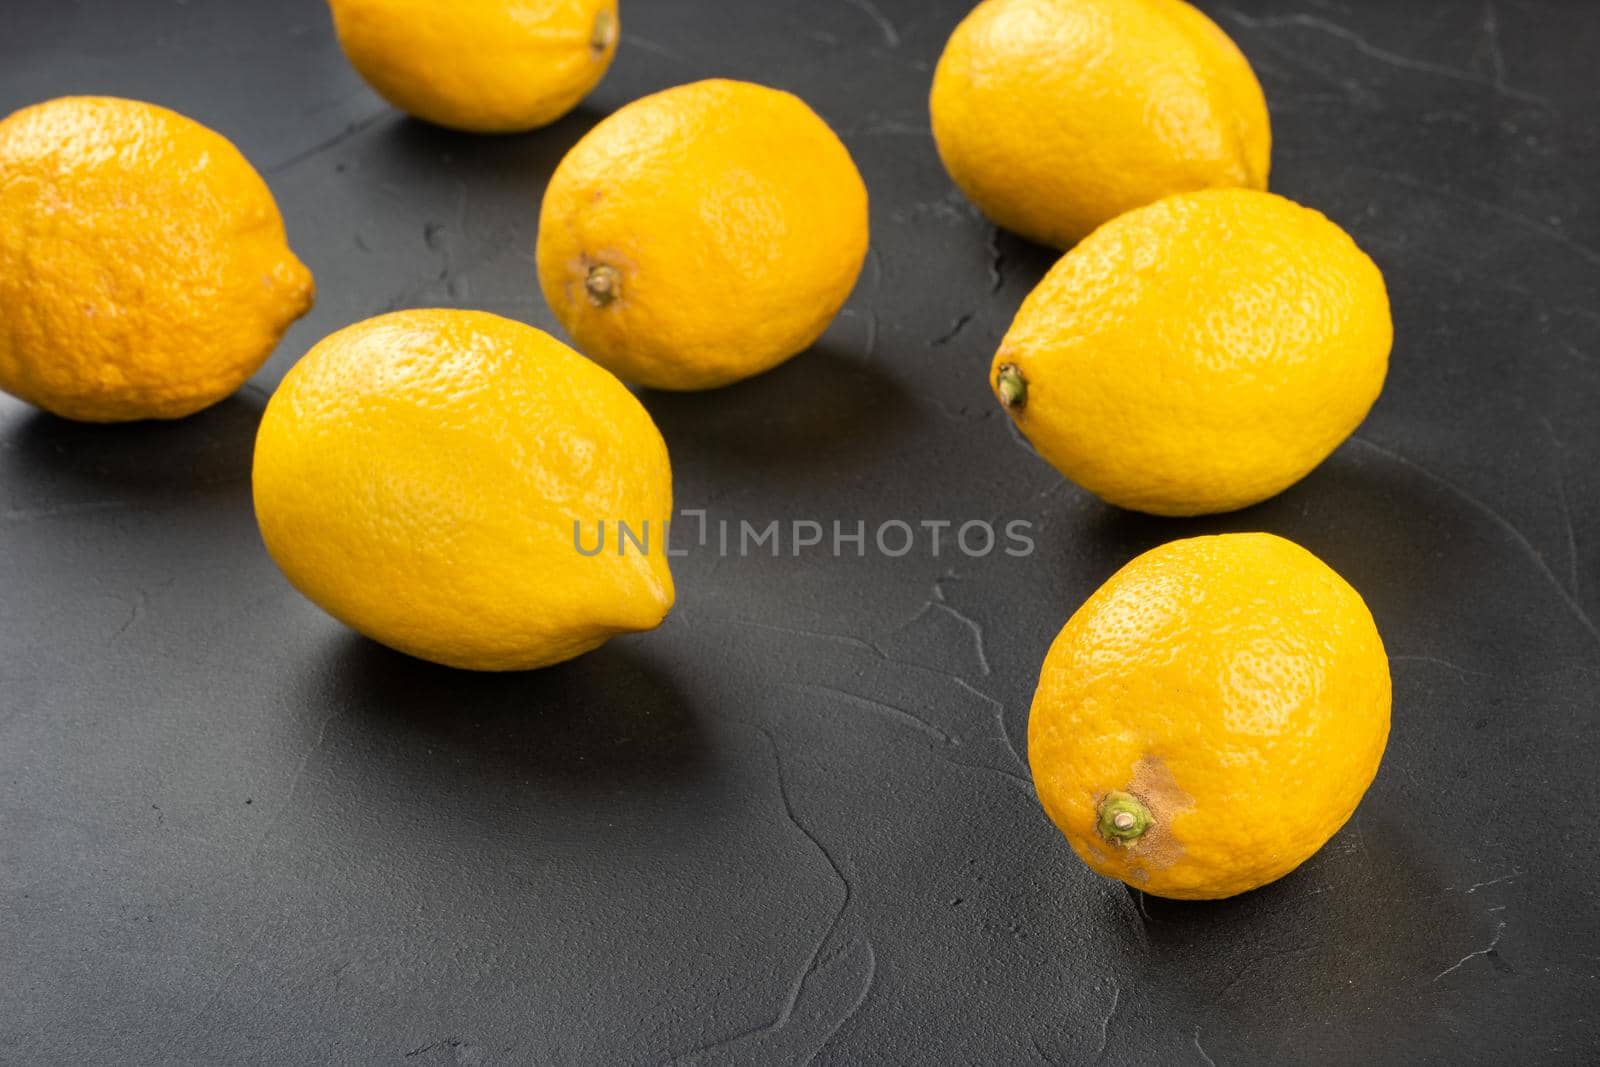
{"x": 229, "y": 830}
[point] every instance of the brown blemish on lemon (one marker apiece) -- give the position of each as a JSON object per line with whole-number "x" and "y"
{"x": 1137, "y": 820}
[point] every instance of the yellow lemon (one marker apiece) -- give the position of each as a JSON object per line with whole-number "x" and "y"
{"x": 1200, "y": 354}
{"x": 144, "y": 272}
{"x": 441, "y": 481}
{"x": 486, "y": 66}
{"x": 1054, "y": 116}
{"x": 702, "y": 235}
{"x": 1210, "y": 716}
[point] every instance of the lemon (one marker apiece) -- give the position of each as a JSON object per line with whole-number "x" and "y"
{"x": 1199, "y": 354}
{"x": 1054, "y": 116}
{"x": 702, "y": 235}
{"x": 144, "y": 272}
{"x": 1210, "y": 716}
{"x": 485, "y": 66}
{"x": 438, "y": 480}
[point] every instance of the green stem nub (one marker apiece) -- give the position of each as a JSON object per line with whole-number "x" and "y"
{"x": 1011, "y": 387}
{"x": 603, "y": 33}
{"x": 602, "y": 284}
{"x": 1123, "y": 818}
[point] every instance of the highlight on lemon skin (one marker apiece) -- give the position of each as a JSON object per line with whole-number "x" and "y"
{"x": 482, "y": 66}
{"x": 144, "y": 269}
{"x": 1210, "y": 716}
{"x": 702, "y": 235}
{"x": 1198, "y": 355}
{"x": 422, "y": 476}
{"x": 1055, "y": 116}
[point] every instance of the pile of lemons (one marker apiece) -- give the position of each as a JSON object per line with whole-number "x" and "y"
{"x": 1202, "y": 724}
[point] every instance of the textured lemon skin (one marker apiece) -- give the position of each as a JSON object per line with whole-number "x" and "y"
{"x": 1054, "y": 116}
{"x": 1200, "y": 354}
{"x": 736, "y": 223}
{"x": 484, "y": 66}
{"x": 418, "y": 475}
{"x": 1239, "y": 687}
{"x": 144, "y": 272}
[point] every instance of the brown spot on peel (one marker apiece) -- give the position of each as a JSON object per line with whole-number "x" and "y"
{"x": 1152, "y": 783}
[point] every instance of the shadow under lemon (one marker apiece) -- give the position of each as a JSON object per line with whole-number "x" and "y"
{"x": 80, "y": 462}
{"x": 809, "y": 417}
{"x": 1349, "y": 513}
{"x": 411, "y": 147}
{"x": 1361, "y": 927}
{"x": 610, "y": 719}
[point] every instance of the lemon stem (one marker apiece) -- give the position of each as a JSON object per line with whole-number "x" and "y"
{"x": 1012, "y": 387}
{"x": 1123, "y": 818}
{"x": 602, "y": 284}
{"x": 605, "y": 27}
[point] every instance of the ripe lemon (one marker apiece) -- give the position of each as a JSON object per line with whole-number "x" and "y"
{"x": 1054, "y": 116}
{"x": 702, "y": 234}
{"x": 1200, "y": 354}
{"x": 1210, "y": 716}
{"x": 427, "y": 478}
{"x": 486, "y": 66}
{"x": 144, "y": 272}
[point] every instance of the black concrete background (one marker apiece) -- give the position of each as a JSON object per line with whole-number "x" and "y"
{"x": 792, "y": 824}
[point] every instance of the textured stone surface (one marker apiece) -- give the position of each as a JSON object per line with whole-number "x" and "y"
{"x": 792, "y": 823}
